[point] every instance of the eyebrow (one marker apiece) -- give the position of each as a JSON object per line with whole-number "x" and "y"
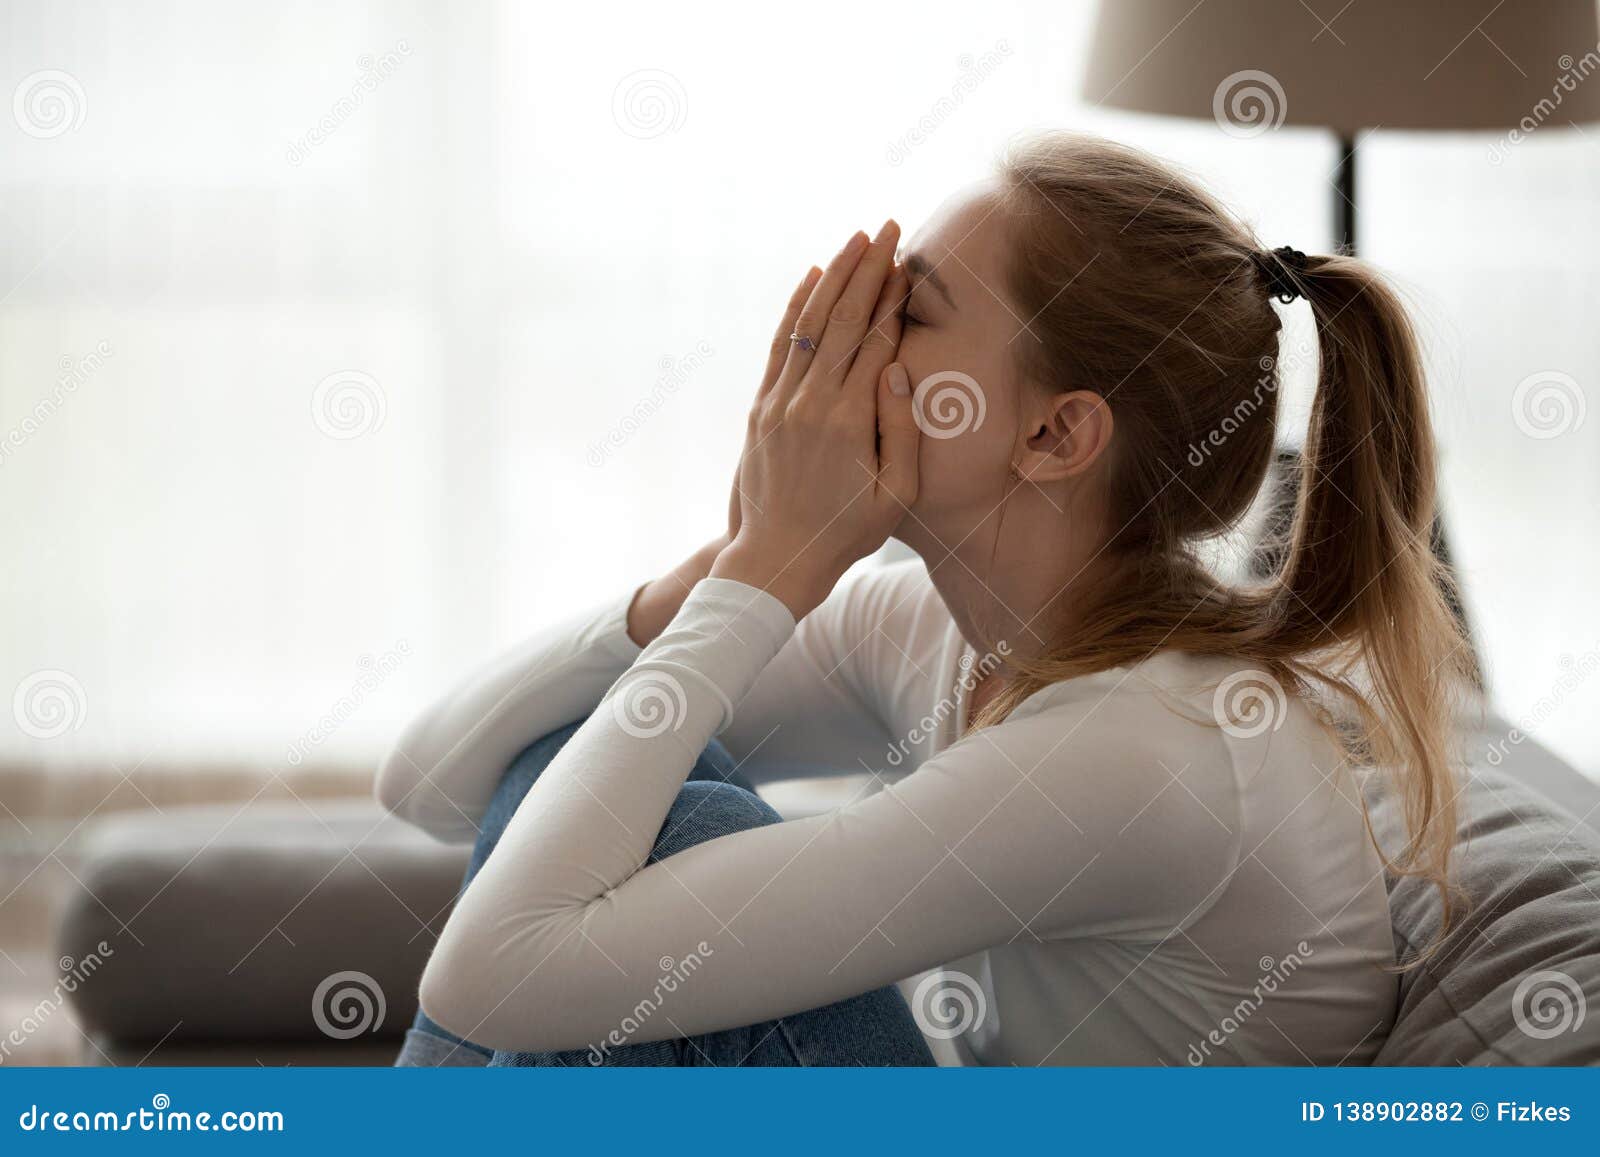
{"x": 924, "y": 270}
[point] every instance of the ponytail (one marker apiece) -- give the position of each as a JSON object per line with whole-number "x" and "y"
{"x": 1361, "y": 577}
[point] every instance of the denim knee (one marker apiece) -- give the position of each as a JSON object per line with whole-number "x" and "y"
{"x": 706, "y": 809}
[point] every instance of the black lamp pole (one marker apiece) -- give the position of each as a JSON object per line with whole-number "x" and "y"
{"x": 1344, "y": 197}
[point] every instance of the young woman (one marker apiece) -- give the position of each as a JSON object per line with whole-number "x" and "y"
{"x": 1114, "y": 797}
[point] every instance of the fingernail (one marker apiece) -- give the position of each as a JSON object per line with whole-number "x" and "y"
{"x": 858, "y": 241}
{"x": 883, "y": 230}
{"x": 899, "y": 383}
{"x": 811, "y": 277}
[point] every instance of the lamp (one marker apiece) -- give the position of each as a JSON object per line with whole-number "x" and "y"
{"x": 1450, "y": 65}
{"x": 1345, "y": 65}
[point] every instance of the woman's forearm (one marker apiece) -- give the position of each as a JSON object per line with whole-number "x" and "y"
{"x": 659, "y": 600}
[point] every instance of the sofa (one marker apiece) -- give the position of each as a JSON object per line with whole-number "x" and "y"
{"x": 294, "y": 933}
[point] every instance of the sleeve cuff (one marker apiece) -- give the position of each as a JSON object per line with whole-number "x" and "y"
{"x": 722, "y": 637}
{"x": 610, "y": 631}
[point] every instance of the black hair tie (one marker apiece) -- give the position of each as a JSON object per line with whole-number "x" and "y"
{"x": 1281, "y": 270}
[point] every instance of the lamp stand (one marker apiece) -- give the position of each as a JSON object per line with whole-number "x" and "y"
{"x": 1344, "y": 198}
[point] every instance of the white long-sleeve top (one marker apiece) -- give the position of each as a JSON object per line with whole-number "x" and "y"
{"x": 1109, "y": 876}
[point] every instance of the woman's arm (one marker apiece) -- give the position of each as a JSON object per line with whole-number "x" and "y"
{"x": 1056, "y": 824}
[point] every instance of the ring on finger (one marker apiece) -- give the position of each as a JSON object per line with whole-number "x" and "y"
{"x": 804, "y": 343}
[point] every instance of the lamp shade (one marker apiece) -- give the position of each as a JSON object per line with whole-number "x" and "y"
{"x": 1400, "y": 64}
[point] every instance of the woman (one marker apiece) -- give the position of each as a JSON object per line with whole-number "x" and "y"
{"x": 1114, "y": 796}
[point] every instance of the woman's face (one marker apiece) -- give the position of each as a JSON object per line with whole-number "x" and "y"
{"x": 959, "y": 349}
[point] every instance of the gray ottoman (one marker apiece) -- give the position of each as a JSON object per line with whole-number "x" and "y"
{"x": 279, "y": 933}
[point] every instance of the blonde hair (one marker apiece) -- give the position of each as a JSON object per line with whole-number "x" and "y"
{"x": 1141, "y": 288}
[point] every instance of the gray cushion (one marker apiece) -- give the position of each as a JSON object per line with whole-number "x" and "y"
{"x": 1516, "y": 980}
{"x": 223, "y": 922}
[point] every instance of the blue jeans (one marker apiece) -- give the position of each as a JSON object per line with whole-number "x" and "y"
{"x": 873, "y": 1029}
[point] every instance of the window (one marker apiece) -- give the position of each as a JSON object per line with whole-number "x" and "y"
{"x": 341, "y": 347}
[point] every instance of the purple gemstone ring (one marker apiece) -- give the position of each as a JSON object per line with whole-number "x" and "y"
{"x": 804, "y": 343}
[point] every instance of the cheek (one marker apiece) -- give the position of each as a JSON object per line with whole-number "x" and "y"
{"x": 964, "y": 399}
{"x": 967, "y": 443}
{"x": 968, "y": 415}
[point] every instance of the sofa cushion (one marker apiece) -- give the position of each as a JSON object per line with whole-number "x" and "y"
{"x": 272, "y": 922}
{"x": 1516, "y": 979}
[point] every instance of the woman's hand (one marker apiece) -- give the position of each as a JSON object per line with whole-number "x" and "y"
{"x": 776, "y": 356}
{"x": 831, "y": 460}
{"x": 656, "y": 603}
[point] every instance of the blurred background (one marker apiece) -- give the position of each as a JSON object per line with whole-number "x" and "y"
{"x": 342, "y": 345}
{"x": 405, "y": 327}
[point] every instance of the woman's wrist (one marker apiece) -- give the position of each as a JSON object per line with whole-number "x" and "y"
{"x": 657, "y": 602}
{"x": 783, "y": 574}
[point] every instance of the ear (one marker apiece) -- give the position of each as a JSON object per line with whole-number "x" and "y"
{"x": 1064, "y": 437}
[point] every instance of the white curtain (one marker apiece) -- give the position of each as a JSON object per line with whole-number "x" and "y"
{"x": 340, "y": 346}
